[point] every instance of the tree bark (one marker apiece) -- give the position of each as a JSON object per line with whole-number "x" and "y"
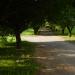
{"x": 36, "y": 31}
{"x": 18, "y": 40}
{"x": 69, "y": 31}
{"x": 63, "y": 30}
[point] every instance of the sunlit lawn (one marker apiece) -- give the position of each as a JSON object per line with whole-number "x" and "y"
{"x": 28, "y": 32}
{"x": 66, "y": 35}
{"x": 72, "y": 38}
{"x": 17, "y": 62}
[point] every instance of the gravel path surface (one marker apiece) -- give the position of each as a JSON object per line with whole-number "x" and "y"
{"x": 55, "y": 56}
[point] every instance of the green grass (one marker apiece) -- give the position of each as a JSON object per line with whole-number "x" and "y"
{"x": 28, "y": 32}
{"x": 17, "y": 62}
{"x": 70, "y": 39}
{"x": 66, "y": 35}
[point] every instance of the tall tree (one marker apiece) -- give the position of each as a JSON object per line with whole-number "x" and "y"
{"x": 16, "y": 15}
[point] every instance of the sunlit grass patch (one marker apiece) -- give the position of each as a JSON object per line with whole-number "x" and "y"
{"x": 17, "y": 62}
{"x": 66, "y": 35}
{"x": 7, "y": 63}
{"x": 28, "y": 32}
{"x": 70, "y": 39}
{"x": 22, "y": 67}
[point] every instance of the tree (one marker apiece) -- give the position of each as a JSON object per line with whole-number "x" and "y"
{"x": 16, "y": 15}
{"x": 67, "y": 19}
{"x": 36, "y": 24}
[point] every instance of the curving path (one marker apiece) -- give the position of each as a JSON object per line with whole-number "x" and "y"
{"x": 55, "y": 56}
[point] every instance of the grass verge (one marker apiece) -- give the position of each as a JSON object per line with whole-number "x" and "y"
{"x": 28, "y": 32}
{"x": 66, "y": 35}
{"x": 14, "y": 62}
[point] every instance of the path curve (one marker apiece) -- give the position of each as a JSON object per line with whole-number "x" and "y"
{"x": 55, "y": 56}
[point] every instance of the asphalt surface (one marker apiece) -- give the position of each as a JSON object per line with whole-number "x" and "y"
{"x": 56, "y": 56}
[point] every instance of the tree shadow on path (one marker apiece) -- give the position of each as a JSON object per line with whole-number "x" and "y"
{"x": 56, "y": 58}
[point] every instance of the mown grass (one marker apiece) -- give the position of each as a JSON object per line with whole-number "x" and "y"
{"x": 17, "y": 62}
{"x": 66, "y": 32}
{"x": 66, "y": 35}
{"x": 28, "y": 32}
{"x": 70, "y": 39}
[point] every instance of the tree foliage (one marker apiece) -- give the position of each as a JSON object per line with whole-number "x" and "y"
{"x": 17, "y": 15}
{"x": 67, "y": 19}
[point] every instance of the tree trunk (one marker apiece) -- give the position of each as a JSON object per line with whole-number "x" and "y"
{"x": 36, "y": 31}
{"x": 18, "y": 40}
{"x": 63, "y": 31}
{"x": 69, "y": 31}
{"x": 72, "y": 28}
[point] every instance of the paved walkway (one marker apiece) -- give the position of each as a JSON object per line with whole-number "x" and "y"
{"x": 55, "y": 56}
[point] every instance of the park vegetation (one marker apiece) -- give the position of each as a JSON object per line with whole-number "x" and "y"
{"x": 17, "y": 16}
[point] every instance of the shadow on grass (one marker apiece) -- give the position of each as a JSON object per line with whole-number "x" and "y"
{"x": 71, "y": 41}
{"x": 16, "y": 62}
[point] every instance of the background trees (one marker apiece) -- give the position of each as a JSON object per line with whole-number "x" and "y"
{"x": 67, "y": 19}
{"x": 17, "y": 15}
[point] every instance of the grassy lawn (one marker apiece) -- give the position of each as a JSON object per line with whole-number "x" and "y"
{"x": 69, "y": 39}
{"x": 17, "y": 62}
{"x": 28, "y": 32}
{"x": 66, "y": 36}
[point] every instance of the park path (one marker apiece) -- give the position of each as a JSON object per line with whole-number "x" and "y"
{"x": 55, "y": 56}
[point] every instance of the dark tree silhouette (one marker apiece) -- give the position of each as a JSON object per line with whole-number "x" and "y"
{"x": 16, "y": 15}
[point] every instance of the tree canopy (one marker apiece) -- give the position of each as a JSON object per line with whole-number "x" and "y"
{"x": 16, "y": 15}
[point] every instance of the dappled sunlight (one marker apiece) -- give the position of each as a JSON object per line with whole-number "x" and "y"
{"x": 63, "y": 51}
{"x": 16, "y": 61}
{"x": 41, "y": 38}
{"x": 39, "y": 57}
{"x": 51, "y": 53}
{"x": 42, "y": 58}
{"x": 7, "y": 63}
{"x": 28, "y": 56}
{"x": 66, "y": 55}
{"x": 48, "y": 71}
{"x": 66, "y": 67}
